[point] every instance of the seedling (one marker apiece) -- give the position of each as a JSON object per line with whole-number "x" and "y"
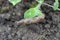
{"x": 33, "y": 12}
{"x": 14, "y": 2}
{"x": 56, "y": 5}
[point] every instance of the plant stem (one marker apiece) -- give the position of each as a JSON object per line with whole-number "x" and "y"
{"x": 38, "y": 6}
{"x": 56, "y": 0}
{"x": 50, "y": 5}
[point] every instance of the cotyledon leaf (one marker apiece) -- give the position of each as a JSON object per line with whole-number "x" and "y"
{"x": 32, "y": 12}
{"x": 56, "y": 5}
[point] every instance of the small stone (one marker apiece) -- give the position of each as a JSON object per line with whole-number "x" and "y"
{"x": 47, "y": 26}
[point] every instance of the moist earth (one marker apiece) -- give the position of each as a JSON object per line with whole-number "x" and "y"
{"x": 9, "y": 14}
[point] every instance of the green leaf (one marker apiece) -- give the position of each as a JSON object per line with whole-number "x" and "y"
{"x": 56, "y": 5}
{"x": 32, "y": 12}
{"x": 14, "y": 2}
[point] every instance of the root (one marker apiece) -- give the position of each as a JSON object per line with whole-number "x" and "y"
{"x": 31, "y": 20}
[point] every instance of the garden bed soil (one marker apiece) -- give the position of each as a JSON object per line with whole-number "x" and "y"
{"x": 49, "y": 28}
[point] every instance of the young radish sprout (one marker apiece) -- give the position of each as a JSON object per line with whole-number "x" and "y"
{"x": 33, "y": 15}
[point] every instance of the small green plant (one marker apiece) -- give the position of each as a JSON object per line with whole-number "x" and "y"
{"x": 56, "y": 5}
{"x": 14, "y": 2}
{"x": 33, "y": 12}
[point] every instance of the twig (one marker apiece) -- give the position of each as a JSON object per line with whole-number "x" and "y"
{"x": 31, "y": 20}
{"x": 49, "y": 5}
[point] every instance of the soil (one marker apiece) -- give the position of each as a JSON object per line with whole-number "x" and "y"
{"x": 49, "y": 28}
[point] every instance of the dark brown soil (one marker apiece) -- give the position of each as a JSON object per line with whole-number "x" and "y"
{"x": 9, "y": 14}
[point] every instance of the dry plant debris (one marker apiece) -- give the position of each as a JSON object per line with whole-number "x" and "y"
{"x": 31, "y": 20}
